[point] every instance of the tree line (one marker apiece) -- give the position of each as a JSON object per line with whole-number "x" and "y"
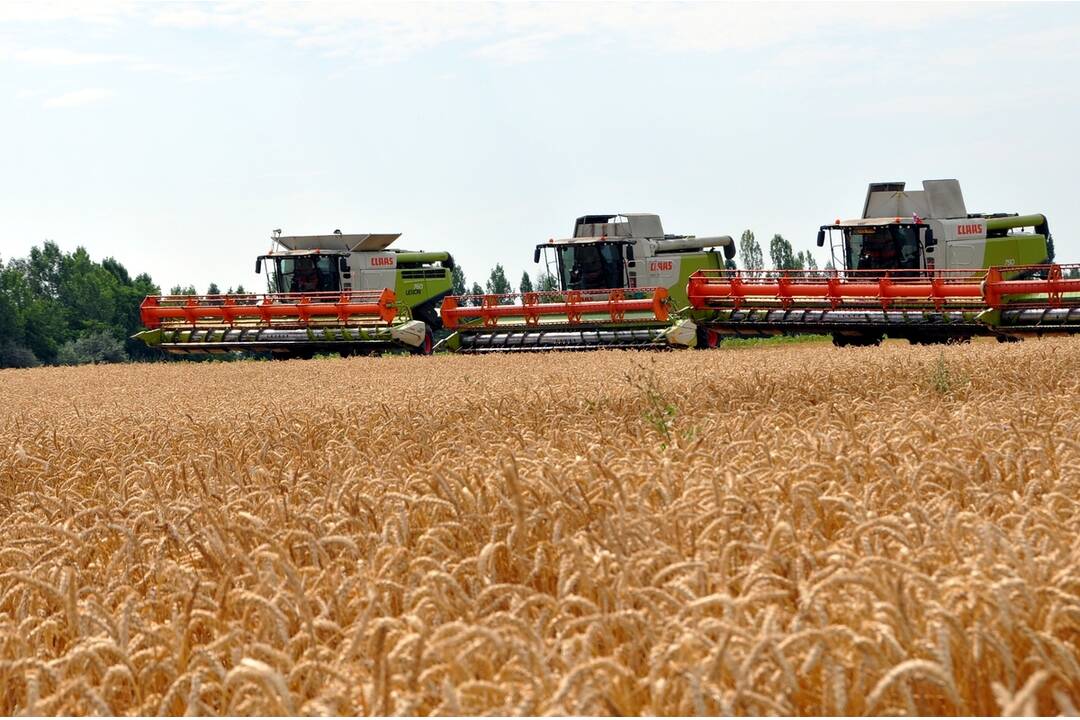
{"x": 63, "y": 308}
{"x": 498, "y": 284}
{"x": 781, "y": 254}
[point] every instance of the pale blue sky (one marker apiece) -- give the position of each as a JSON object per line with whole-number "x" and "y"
{"x": 176, "y": 136}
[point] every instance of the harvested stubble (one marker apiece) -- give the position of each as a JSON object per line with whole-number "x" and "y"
{"x": 790, "y": 529}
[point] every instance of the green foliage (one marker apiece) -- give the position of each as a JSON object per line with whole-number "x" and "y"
{"x": 497, "y": 283}
{"x": 51, "y": 299}
{"x": 775, "y": 340}
{"x": 547, "y": 282}
{"x": 475, "y": 290}
{"x": 213, "y": 289}
{"x": 944, "y": 380}
{"x": 16, "y": 356}
{"x": 97, "y": 347}
{"x": 805, "y": 261}
{"x": 781, "y": 254}
{"x": 750, "y": 252}
{"x": 526, "y": 283}
{"x": 457, "y": 281}
{"x": 660, "y": 414}
{"x": 730, "y": 264}
{"x": 182, "y": 290}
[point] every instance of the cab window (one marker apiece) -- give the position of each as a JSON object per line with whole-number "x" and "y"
{"x": 882, "y": 247}
{"x": 595, "y": 266}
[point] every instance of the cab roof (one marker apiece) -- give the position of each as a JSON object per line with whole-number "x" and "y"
{"x": 366, "y": 242}
{"x": 864, "y": 222}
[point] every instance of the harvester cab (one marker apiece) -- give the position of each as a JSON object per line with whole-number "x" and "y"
{"x": 932, "y": 229}
{"x": 630, "y": 250}
{"x": 346, "y": 263}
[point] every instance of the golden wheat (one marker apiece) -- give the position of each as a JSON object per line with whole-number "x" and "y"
{"x": 791, "y": 529}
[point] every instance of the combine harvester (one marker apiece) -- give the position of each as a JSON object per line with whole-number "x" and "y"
{"x": 621, "y": 283}
{"x": 916, "y": 265}
{"x": 327, "y": 293}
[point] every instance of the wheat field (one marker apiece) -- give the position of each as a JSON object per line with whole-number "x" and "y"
{"x": 794, "y": 529}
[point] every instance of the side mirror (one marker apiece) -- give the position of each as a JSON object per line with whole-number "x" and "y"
{"x": 630, "y": 252}
{"x": 821, "y": 237}
{"x": 343, "y": 264}
{"x": 536, "y": 254}
{"x": 258, "y": 265}
{"x": 929, "y": 240}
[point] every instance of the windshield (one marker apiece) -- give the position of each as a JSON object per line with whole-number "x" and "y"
{"x": 595, "y": 266}
{"x": 302, "y": 273}
{"x": 882, "y": 247}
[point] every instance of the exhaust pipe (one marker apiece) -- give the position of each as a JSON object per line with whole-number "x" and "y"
{"x": 696, "y": 243}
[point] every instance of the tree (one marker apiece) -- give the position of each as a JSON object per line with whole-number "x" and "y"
{"x": 213, "y": 289}
{"x": 750, "y": 252}
{"x": 89, "y": 294}
{"x": 781, "y": 254}
{"x": 43, "y": 270}
{"x": 181, "y": 290}
{"x": 497, "y": 283}
{"x": 117, "y": 270}
{"x": 240, "y": 290}
{"x": 547, "y": 282}
{"x": 805, "y": 260}
{"x": 457, "y": 281}
{"x": 13, "y": 294}
{"x": 526, "y": 283}
{"x": 476, "y": 290}
{"x": 729, "y": 264}
{"x": 98, "y": 347}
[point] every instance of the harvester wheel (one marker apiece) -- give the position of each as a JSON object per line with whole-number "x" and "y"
{"x": 707, "y": 339}
{"x": 426, "y": 346}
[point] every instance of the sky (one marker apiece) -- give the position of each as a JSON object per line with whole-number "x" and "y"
{"x": 176, "y": 136}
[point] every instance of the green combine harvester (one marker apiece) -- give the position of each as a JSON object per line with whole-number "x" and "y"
{"x": 327, "y": 294}
{"x": 621, "y": 283}
{"x": 886, "y": 260}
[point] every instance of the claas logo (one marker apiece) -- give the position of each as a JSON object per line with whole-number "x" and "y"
{"x": 382, "y": 261}
{"x": 971, "y": 229}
